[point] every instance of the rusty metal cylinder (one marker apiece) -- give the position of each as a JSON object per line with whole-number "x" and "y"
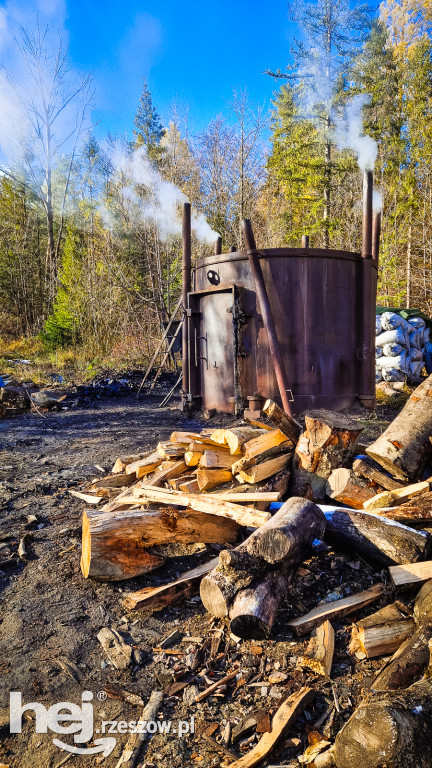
{"x": 367, "y": 214}
{"x": 218, "y": 246}
{"x": 376, "y": 234}
{"x": 305, "y": 241}
{"x": 186, "y": 288}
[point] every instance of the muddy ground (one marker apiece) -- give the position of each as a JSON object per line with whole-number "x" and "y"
{"x": 50, "y": 615}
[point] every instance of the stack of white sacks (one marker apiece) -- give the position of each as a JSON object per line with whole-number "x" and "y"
{"x": 400, "y": 345}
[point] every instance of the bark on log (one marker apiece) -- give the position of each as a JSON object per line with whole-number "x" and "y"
{"x": 413, "y": 512}
{"x": 254, "y": 609}
{"x": 348, "y": 488}
{"x": 390, "y": 730}
{"x": 412, "y": 658}
{"x": 368, "y": 468}
{"x": 380, "y": 634}
{"x": 280, "y": 419}
{"x": 326, "y": 444}
{"x": 404, "y": 448}
{"x": 383, "y": 541}
{"x": 115, "y": 545}
{"x": 287, "y": 536}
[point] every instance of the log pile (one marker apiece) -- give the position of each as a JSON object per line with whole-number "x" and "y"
{"x": 256, "y": 492}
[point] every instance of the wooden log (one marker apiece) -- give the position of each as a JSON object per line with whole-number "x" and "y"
{"x": 282, "y": 421}
{"x": 211, "y": 478}
{"x": 191, "y": 486}
{"x": 377, "y": 538}
{"x": 287, "y": 536}
{"x": 119, "y": 480}
{"x": 404, "y": 448}
{"x": 368, "y": 469}
{"x": 380, "y": 634}
{"x": 246, "y": 497}
{"x": 154, "y": 598}
{"x": 347, "y": 488}
{"x": 176, "y": 482}
{"x": 144, "y": 466}
{"x": 389, "y": 730}
{"x": 254, "y": 609}
{"x": 326, "y": 444}
{"x": 201, "y": 503}
{"x": 335, "y": 609}
{"x": 413, "y": 573}
{"x": 319, "y": 654}
{"x": 265, "y": 469}
{"x": 192, "y": 458}
{"x": 413, "y": 512}
{"x": 235, "y": 438}
{"x": 399, "y": 496}
{"x": 113, "y": 541}
{"x": 285, "y": 716}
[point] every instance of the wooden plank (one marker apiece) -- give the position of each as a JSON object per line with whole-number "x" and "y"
{"x": 285, "y": 716}
{"x": 245, "y": 497}
{"x": 413, "y": 573}
{"x": 154, "y": 598}
{"x": 335, "y": 609}
{"x": 205, "y": 503}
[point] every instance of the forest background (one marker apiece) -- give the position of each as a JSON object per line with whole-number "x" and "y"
{"x": 90, "y": 230}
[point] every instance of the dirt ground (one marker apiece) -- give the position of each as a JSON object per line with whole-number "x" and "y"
{"x": 50, "y": 615}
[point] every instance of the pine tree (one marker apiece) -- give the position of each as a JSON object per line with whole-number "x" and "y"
{"x": 148, "y": 129}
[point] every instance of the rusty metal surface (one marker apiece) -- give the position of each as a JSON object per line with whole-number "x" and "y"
{"x": 323, "y": 304}
{"x": 367, "y": 214}
{"x": 186, "y": 287}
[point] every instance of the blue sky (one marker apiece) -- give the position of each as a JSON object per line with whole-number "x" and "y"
{"x": 191, "y": 53}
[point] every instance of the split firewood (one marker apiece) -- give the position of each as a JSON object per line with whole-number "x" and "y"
{"x": 265, "y": 469}
{"x": 346, "y": 487}
{"x": 154, "y": 598}
{"x": 368, "y": 469}
{"x": 414, "y": 512}
{"x": 377, "y": 538}
{"x": 389, "y": 730}
{"x": 131, "y": 753}
{"x": 319, "y": 654}
{"x": 168, "y": 450}
{"x": 285, "y": 716}
{"x": 404, "y": 448}
{"x": 191, "y": 486}
{"x": 412, "y": 658}
{"x": 119, "y": 654}
{"x": 115, "y": 544}
{"x": 176, "y": 482}
{"x": 326, "y": 444}
{"x": 201, "y": 503}
{"x": 216, "y": 458}
{"x": 89, "y": 498}
{"x": 246, "y": 497}
{"x": 413, "y": 573}
{"x": 211, "y": 478}
{"x": 121, "y": 463}
{"x": 144, "y": 466}
{"x": 192, "y": 458}
{"x": 266, "y": 446}
{"x": 335, "y": 609}
{"x": 287, "y": 536}
{"x": 119, "y": 480}
{"x": 235, "y": 438}
{"x": 391, "y": 498}
{"x": 380, "y": 634}
{"x": 170, "y": 470}
{"x": 185, "y": 438}
{"x": 280, "y": 419}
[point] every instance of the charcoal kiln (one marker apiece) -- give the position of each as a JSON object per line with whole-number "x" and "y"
{"x": 296, "y": 325}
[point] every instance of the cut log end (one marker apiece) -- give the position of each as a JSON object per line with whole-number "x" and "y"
{"x": 213, "y": 598}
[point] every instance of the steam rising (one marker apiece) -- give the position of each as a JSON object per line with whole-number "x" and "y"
{"x": 377, "y": 201}
{"x": 348, "y": 133}
{"x": 149, "y": 197}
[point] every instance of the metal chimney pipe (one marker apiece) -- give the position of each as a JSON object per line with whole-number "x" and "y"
{"x": 367, "y": 214}
{"x": 305, "y": 241}
{"x": 267, "y": 314}
{"x": 218, "y": 246}
{"x": 376, "y": 234}
{"x": 186, "y": 288}
{"x": 233, "y": 249}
